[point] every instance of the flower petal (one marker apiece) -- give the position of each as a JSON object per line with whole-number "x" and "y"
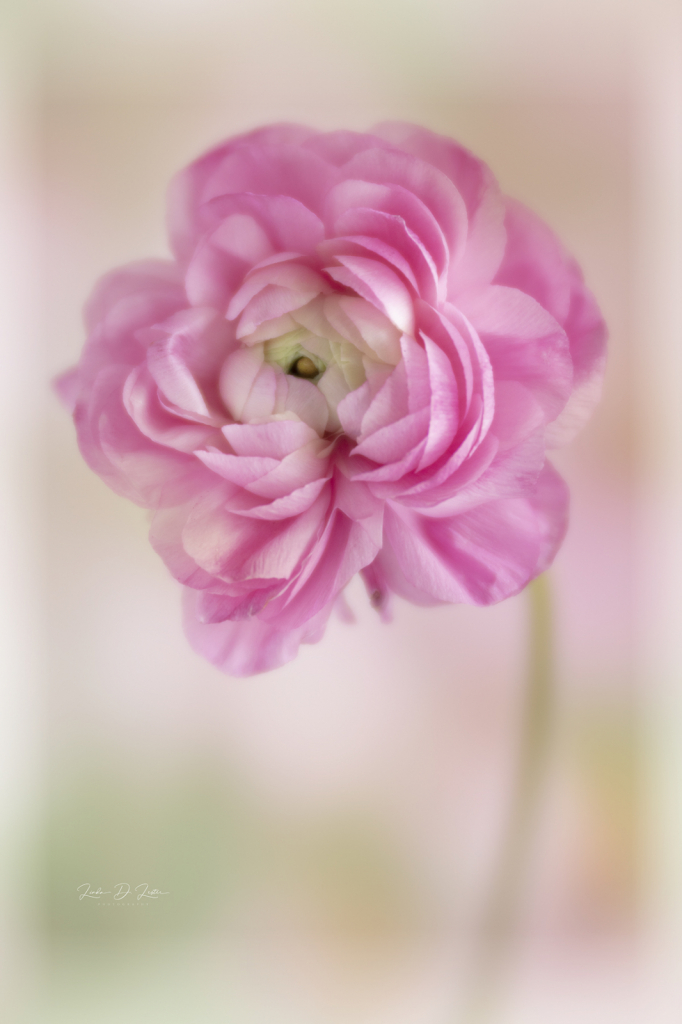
{"x": 479, "y": 557}
{"x": 249, "y": 645}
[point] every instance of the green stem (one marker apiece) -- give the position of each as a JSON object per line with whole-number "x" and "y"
{"x": 500, "y": 915}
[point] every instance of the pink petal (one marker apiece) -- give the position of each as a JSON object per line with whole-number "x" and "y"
{"x": 393, "y": 232}
{"x": 141, "y": 401}
{"x": 266, "y": 169}
{"x": 212, "y": 608}
{"x": 236, "y": 468}
{"x": 268, "y": 477}
{"x": 67, "y": 387}
{"x": 517, "y": 413}
{"x": 360, "y": 245}
{"x": 294, "y": 503}
{"x": 238, "y": 547}
{"x": 248, "y": 646}
{"x": 379, "y": 285}
{"x": 351, "y": 409}
{"x": 389, "y": 404}
{"x": 248, "y": 386}
{"x": 417, "y": 373}
{"x": 444, "y": 419}
{"x": 395, "y": 201}
{"x": 149, "y": 474}
{"x": 343, "y": 549}
{"x": 269, "y": 224}
{"x": 393, "y": 442}
{"x": 271, "y": 291}
{"x": 424, "y": 181}
{"x": 479, "y": 557}
{"x": 140, "y": 293}
{"x": 337, "y": 148}
{"x": 213, "y": 275}
{"x": 525, "y": 343}
{"x": 165, "y": 536}
{"x": 307, "y": 402}
{"x": 166, "y": 361}
{"x": 272, "y": 440}
{"x": 364, "y": 326}
{"x": 486, "y": 237}
{"x": 189, "y": 192}
{"x": 536, "y": 263}
{"x": 488, "y": 474}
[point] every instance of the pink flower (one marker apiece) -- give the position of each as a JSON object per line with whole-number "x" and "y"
{"x": 355, "y": 363}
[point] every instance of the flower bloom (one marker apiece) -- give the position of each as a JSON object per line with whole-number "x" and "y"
{"x": 355, "y": 362}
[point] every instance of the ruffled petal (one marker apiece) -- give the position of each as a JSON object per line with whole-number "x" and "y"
{"x": 423, "y": 180}
{"x": 188, "y": 195}
{"x": 478, "y": 557}
{"x": 535, "y": 262}
{"x": 524, "y": 342}
{"x": 486, "y": 236}
{"x": 150, "y": 474}
{"x": 249, "y": 645}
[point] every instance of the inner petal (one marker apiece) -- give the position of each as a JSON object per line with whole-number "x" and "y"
{"x": 337, "y": 344}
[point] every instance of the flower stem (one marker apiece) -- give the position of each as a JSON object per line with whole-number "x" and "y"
{"x": 500, "y": 916}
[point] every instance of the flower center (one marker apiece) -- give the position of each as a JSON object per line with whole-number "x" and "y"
{"x": 299, "y": 353}
{"x": 334, "y": 344}
{"x": 304, "y": 367}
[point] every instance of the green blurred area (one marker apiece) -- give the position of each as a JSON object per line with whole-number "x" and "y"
{"x": 234, "y": 875}
{"x": 245, "y": 882}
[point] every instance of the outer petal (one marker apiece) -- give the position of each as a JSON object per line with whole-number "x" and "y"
{"x": 248, "y": 646}
{"x": 479, "y": 557}
{"x": 485, "y": 243}
{"x": 421, "y": 179}
{"x": 259, "y": 226}
{"x": 283, "y": 169}
{"x": 536, "y": 262}
{"x": 525, "y": 343}
{"x": 344, "y": 549}
{"x": 337, "y": 148}
{"x": 124, "y": 301}
{"x": 150, "y": 474}
{"x": 188, "y": 192}
{"x": 139, "y": 293}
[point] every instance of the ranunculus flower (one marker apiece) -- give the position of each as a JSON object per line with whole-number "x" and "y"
{"x": 355, "y": 362}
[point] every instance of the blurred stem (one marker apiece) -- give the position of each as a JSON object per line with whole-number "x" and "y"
{"x": 501, "y": 913}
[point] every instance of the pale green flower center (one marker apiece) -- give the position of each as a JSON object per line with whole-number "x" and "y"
{"x": 291, "y": 354}
{"x": 335, "y": 367}
{"x": 336, "y": 343}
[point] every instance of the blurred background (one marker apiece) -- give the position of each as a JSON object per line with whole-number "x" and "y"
{"x": 326, "y": 835}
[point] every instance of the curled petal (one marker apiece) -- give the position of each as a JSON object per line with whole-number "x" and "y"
{"x": 478, "y": 557}
{"x": 525, "y": 343}
{"x": 267, "y": 477}
{"x": 272, "y": 440}
{"x": 192, "y": 189}
{"x": 421, "y": 179}
{"x": 156, "y": 422}
{"x": 266, "y": 225}
{"x": 248, "y": 645}
{"x": 379, "y": 285}
{"x": 486, "y": 236}
{"x": 536, "y": 263}
{"x": 272, "y": 291}
{"x": 394, "y": 201}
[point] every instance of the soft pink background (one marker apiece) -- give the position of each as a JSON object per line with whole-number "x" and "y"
{"x": 326, "y": 831}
